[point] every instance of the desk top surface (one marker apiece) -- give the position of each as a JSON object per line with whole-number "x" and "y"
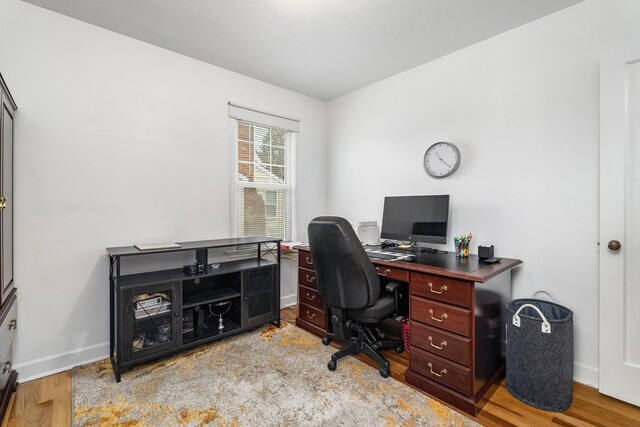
{"x": 195, "y": 245}
{"x": 447, "y": 264}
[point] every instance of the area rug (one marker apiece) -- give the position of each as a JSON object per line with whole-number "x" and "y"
{"x": 266, "y": 377}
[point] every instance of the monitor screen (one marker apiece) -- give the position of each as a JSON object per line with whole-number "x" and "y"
{"x": 416, "y": 218}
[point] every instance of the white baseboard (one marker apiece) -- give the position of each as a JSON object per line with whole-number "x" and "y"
{"x": 56, "y": 363}
{"x": 585, "y": 374}
{"x": 288, "y": 300}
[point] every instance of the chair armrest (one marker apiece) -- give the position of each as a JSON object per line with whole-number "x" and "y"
{"x": 393, "y": 286}
{"x": 399, "y": 297}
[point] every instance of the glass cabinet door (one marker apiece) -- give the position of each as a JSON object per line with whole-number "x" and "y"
{"x": 151, "y": 319}
{"x": 259, "y": 295}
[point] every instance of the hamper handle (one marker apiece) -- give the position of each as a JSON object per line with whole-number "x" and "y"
{"x": 549, "y": 294}
{"x": 546, "y": 326}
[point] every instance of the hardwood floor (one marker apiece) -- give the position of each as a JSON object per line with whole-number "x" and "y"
{"x": 47, "y": 402}
{"x": 43, "y": 402}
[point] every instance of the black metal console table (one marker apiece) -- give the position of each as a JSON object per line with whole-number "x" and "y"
{"x": 154, "y": 314}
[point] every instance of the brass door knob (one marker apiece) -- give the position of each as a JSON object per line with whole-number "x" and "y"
{"x": 614, "y": 245}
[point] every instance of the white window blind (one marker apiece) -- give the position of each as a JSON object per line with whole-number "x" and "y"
{"x": 263, "y": 181}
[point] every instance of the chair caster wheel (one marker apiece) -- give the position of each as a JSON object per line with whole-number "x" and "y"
{"x": 384, "y": 373}
{"x": 332, "y": 366}
{"x": 326, "y": 341}
{"x": 399, "y": 349}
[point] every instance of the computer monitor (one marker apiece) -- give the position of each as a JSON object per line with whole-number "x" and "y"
{"x": 416, "y": 218}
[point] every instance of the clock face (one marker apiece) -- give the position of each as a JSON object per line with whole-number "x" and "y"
{"x": 441, "y": 159}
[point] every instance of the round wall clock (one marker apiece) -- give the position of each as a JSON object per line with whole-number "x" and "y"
{"x": 441, "y": 159}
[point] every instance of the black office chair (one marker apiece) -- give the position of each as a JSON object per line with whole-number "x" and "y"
{"x": 349, "y": 284}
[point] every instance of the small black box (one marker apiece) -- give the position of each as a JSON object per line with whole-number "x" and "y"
{"x": 485, "y": 252}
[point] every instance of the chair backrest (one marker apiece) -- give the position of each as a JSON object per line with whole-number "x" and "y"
{"x": 345, "y": 275}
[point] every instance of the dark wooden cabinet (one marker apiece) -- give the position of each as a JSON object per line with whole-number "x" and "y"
{"x": 456, "y": 317}
{"x": 8, "y": 297}
{"x": 6, "y": 197}
{"x": 312, "y": 310}
{"x": 157, "y": 313}
{"x": 457, "y": 333}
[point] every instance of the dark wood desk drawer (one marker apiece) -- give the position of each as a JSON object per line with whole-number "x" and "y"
{"x": 437, "y": 288}
{"x": 310, "y": 296}
{"x": 304, "y": 259}
{"x": 442, "y": 371}
{"x": 312, "y": 315}
{"x": 443, "y": 316}
{"x": 441, "y": 343}
{"x": 307, "y": 278}
{"x": 393, "y": 273}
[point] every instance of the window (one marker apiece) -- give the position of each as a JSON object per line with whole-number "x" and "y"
{"x": 271, "y": 204}
{"x": 263, "y": 179}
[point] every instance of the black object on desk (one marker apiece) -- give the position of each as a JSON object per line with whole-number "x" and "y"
{"x": 485, "y": 252}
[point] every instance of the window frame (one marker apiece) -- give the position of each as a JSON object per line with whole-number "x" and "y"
{"x": 289, "y": 187}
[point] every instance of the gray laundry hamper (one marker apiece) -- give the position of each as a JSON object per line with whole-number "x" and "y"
{"x": 540, "y": 353}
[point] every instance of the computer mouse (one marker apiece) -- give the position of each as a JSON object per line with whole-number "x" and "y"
{"x": 409, "y": 258}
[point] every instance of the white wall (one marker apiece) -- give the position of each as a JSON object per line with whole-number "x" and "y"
{"x": 523, "y": 107}
{"x": 118, "y": 142}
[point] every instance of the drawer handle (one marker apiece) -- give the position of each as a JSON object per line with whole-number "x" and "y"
{"x": 442, "y": 344}
{"x": 310, "y": 315}
{"x": 310, "y": 279}
{"x": 442, "y": 371}
{"x": 309, "y": 260}
{"x": 13, "y": 324}
{"x": 386, "y": 271}
{"x": 441, "y": 319}
{"x": 442, "y": 289}
{"x": 310, "y": 297}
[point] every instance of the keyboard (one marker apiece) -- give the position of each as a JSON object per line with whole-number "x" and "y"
{"x": 380, "y": 255}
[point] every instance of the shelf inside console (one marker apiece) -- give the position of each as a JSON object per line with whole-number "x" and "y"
{"x": 202, "y": 334}
{"x": 206, "y": 296}
{"x": 179, "y": 274}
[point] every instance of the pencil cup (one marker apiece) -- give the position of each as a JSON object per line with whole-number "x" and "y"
{"x": 462, "y": 246}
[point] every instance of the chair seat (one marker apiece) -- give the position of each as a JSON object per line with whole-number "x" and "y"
{"x": 382, "y": 308}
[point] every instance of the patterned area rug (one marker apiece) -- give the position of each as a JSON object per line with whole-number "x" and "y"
{"x": 267, "y": 377}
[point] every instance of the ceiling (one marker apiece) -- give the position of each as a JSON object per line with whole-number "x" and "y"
{"x": 321, "y": 48}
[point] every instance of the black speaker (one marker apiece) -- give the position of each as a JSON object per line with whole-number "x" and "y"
{"x": 485, "y": 252}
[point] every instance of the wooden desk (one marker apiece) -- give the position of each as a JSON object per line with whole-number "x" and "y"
{"x": 456, "y": 309}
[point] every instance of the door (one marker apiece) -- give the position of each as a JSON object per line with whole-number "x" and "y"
{"x": 619, "y": 342}
{"x": 151, "y": 320}
{"x": 259, "y": 303}
{"x": 6, "y": 199}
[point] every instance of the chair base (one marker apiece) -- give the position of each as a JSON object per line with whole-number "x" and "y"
{"x": 368, "y": 341}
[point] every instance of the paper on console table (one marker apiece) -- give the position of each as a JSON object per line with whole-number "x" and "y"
{"x": 156, "y": 246}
